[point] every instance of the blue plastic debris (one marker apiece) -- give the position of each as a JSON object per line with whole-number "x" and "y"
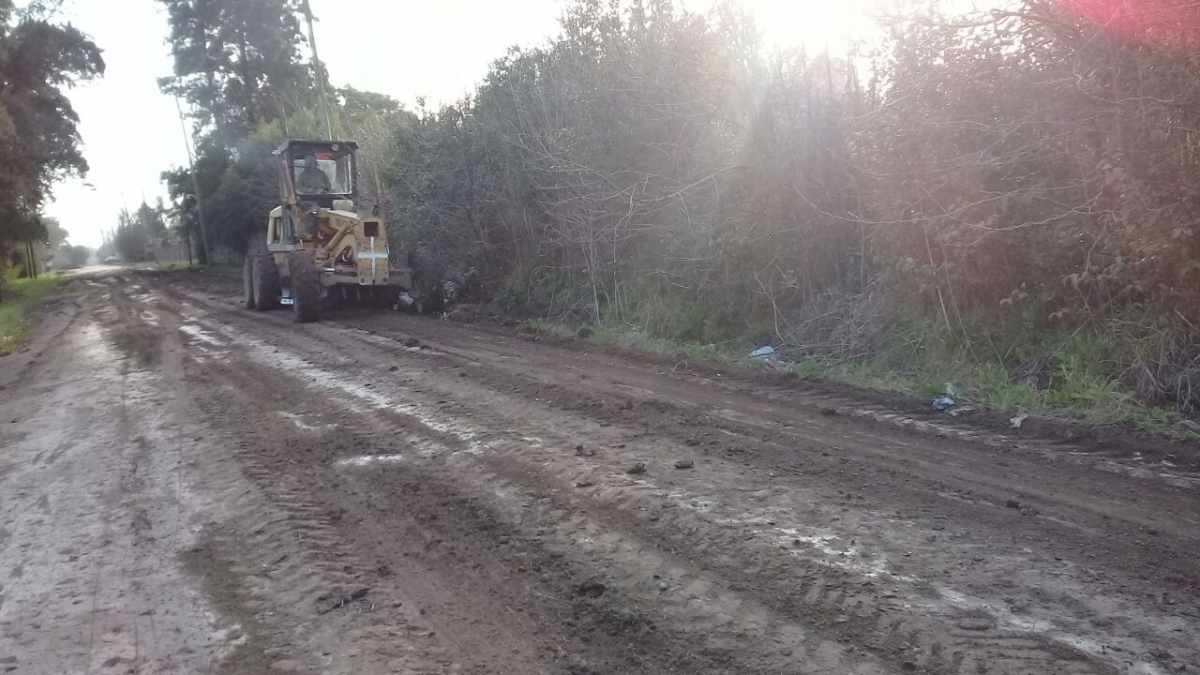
{"x": 763, "y": 352}
{"x": 403, "y": 302}
{"x": 942, "y": 402}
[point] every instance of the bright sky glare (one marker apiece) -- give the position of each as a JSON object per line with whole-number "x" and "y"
{"x": 438, "y": 49}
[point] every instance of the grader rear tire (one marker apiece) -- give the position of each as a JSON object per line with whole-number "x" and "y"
{"x": 248, "y": 281}
{"x": 266, "y": 282}
{"x": 306, "y": 286}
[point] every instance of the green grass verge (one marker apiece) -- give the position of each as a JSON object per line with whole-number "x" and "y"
{"x": 21, "y": 299}
{"x": 232, "y": 271}
{"x": 1084, "y": 388}
{"x": 1079, "y": 394}
{"x": 229, "y": 270}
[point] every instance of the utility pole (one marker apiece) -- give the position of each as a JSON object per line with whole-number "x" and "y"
{"x": 320, "y": 72}
{"x": 187, "y": 143}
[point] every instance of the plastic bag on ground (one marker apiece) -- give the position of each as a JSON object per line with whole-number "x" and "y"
{"x": 763, "y": 352}
{"x": 942, "y": 402}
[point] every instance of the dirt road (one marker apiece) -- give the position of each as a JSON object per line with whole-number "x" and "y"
{"x": 187, "y": 487}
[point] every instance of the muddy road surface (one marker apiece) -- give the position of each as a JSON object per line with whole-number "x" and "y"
{"x": 187, "y": 486}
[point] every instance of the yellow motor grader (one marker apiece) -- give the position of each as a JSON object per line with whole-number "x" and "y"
{"x": 318, "y": 248}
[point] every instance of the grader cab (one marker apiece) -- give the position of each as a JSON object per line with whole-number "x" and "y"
{"x": 318, "y": 249}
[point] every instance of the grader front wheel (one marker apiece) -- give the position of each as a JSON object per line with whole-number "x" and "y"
{"x": 306, "y": 286}
{"x": 248, "y": 281}
{"x": 266, "y": 282}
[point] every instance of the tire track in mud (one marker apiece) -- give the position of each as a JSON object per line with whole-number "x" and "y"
{"x": 961, "y": 647}
{"x": 292, "y": 515}
{"x": 275, "y": 561}
{"x": 261, "y": 452}
{"x": 614, "y": 616}
{"x": 1171, "y": 509}
{"x": 93, "y": 557}
{"x": 910, "y": 445}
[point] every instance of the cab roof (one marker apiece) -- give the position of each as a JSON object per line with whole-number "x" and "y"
{"x": 308, "y": 144}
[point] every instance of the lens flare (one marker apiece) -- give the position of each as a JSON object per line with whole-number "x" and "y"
{"x": 1174, "y": 23}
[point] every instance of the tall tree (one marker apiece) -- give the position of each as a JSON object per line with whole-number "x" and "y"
{"x": 237, "y": 62}
{"x": 39, "y": 138}
{"x": 78, "y": 255}
{"x": 130, "y": 237}
{"x": 152, "y": 219}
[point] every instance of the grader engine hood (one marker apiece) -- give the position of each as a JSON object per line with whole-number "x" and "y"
{"x": 355, "y": 250}
{"x": 362, "y": 249}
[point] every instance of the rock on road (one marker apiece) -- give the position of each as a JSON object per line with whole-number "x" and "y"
{"x": 190, "y": 487}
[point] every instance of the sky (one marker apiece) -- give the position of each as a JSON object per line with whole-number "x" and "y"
{"x": 436, "y": 49}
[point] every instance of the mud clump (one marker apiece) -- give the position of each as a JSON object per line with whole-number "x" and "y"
{"x": 327, "y": 602}
{"x": 590, "y": 589}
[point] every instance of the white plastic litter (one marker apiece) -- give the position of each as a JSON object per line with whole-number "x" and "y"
{"x": 763, "y": 352}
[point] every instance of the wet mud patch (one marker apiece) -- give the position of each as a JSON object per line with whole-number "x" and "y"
{"x": 584, "y": 623}
{"x": 229, "y": 596}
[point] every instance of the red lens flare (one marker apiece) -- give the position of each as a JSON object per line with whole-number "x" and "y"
{"x": 1174, "y": 23}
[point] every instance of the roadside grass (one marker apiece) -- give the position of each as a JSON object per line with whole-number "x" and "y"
{"x": 233, "y": 271}
{"x": 230, "y": 270}
{"x": 914, "y": 361}
{"x": 637, "y": 339}
{"x": 21, "y": 298}
{"x": 1079, "y": 394}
